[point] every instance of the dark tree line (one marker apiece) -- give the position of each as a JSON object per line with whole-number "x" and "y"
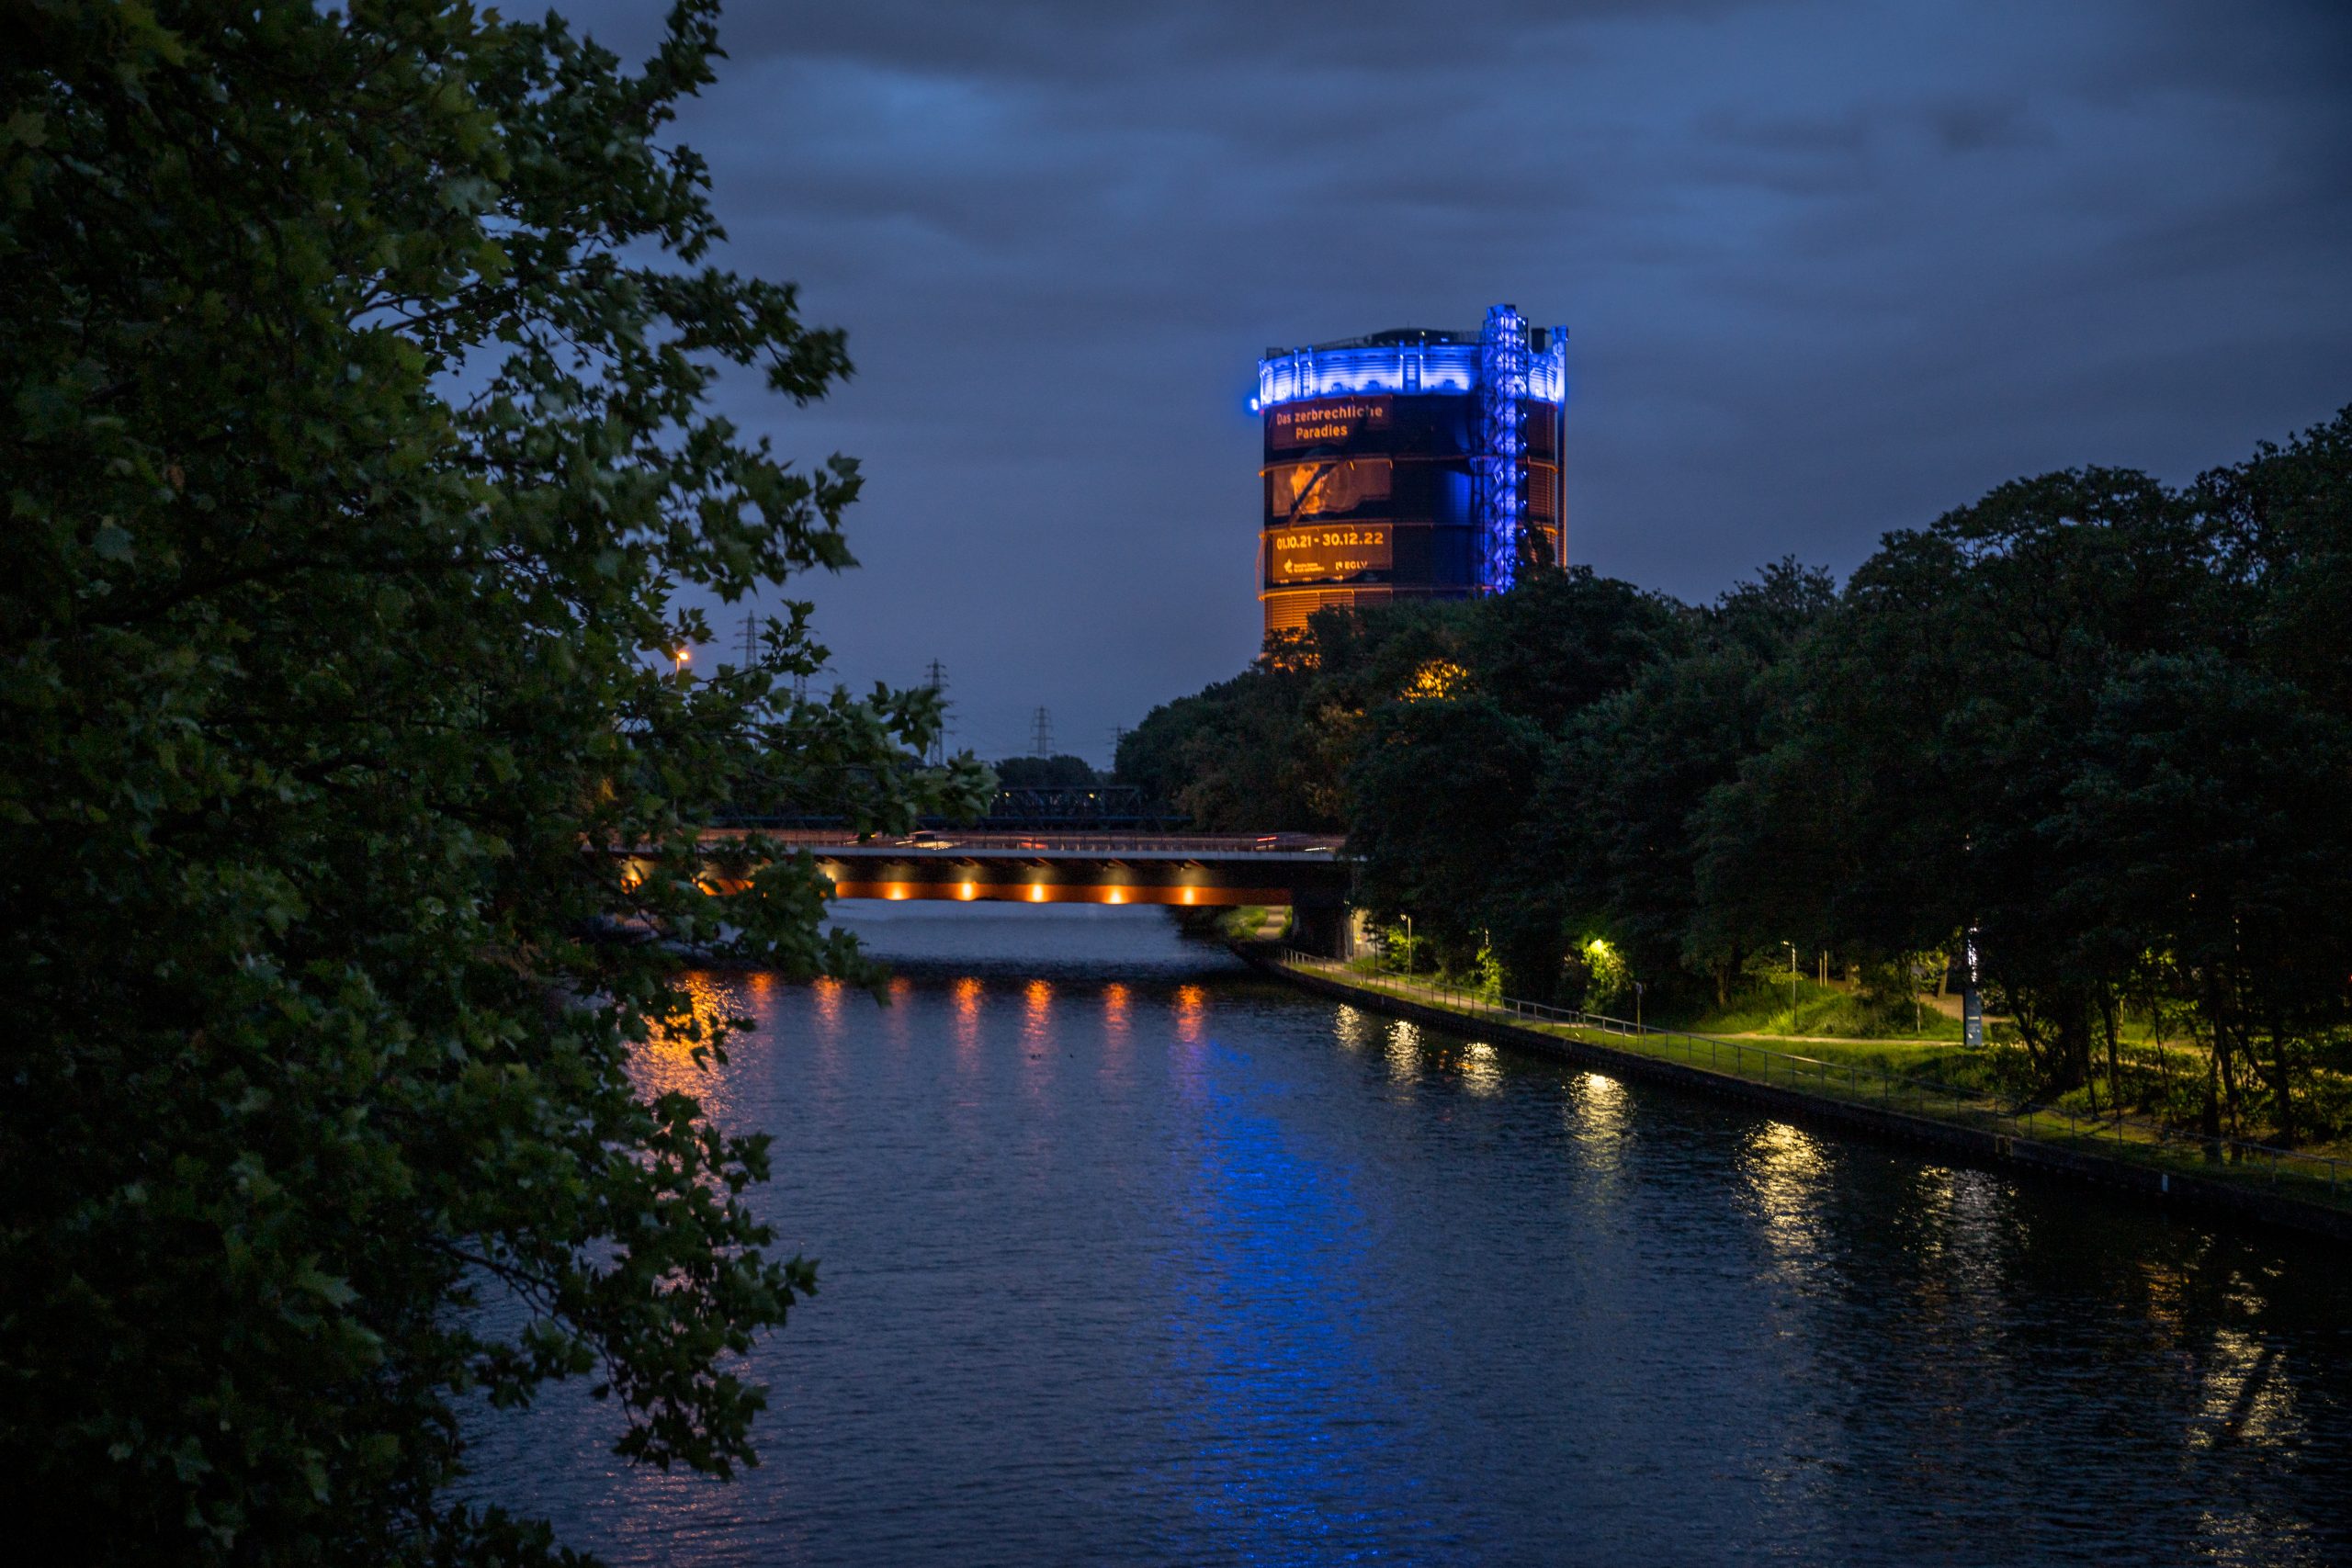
{"x": 358, "y": 447}
{"x": 2103, "y": 723}
{"x": 1058, "y": 771}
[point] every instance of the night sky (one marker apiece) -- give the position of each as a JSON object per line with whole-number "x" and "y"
{"x": 1828, "y": 269}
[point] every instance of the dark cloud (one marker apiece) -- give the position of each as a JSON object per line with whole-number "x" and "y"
{"x": 1829, "y": 268}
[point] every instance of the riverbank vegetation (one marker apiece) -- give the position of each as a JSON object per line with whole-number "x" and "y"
{"x": 2099, "y": 726}
{"x": 358, "y": 452}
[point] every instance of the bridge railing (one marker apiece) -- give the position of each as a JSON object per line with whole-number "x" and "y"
{"x": 2145, "y": 1142}
{"x": 948, "y": 842}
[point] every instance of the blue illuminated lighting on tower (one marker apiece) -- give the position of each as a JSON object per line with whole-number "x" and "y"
{"x": 1409, "y": 369}
{"x": 1503, "y": 418}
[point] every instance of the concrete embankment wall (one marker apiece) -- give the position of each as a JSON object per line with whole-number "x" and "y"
{"x": 1971, "y": 1145}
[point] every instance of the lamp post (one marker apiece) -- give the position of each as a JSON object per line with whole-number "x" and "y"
{"x": 1971, "y": 1004}
{"x": 679, "y": 658}
{"x": 1409, "y": 947}
{"x": 1793, "y": 985}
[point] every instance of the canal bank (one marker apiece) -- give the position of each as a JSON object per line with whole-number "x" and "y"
{"x": 1879, "y": 1106}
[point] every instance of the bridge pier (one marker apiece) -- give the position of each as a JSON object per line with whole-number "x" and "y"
{"x": 1321, "y": 926}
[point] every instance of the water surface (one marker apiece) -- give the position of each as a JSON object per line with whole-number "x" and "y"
{"x": 1128, "y": 1257}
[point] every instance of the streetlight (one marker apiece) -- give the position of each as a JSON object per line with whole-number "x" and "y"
{"x": 679, "y": 658}
{"x": 1793, "y": 985}
{"x": 1409, "y": 947}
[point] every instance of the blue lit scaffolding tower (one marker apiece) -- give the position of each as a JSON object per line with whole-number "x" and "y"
{"x": 1502, "y": 446}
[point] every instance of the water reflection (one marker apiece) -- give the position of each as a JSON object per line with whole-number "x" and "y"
{"x": 898, "y": 1016}
{"x": 964, "y": 1016}
{"x": 1976, "y": 1215}
{"x": 1482, "y": 1068}
{"x": 1189, "y": 1065}
{"x": 2247, "y": 1398}
{"x": 1118, "y": 1033}
{"x": 1192, "y": 1010}
{"x": 1599, "y": 1116}
{"x": 678, "y": 1059}
{"x": 1404, "y": 1050}
{"x": 1251, "y": 1277}
{"x": 1785, "y": 1168}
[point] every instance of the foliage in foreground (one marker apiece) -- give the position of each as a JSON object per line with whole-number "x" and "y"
{"x": 2102, "y": 723}
{"x": 357, "y": 447}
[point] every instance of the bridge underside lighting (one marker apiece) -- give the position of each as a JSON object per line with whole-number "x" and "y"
{"x": 1120, "y": 894}
{"x": 1214, "y": 893}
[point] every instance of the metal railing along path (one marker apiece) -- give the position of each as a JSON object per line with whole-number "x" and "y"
{"x": 2133, "y": 1138}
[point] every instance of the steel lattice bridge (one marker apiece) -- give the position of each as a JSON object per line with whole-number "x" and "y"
{"x": 1307, "y": 873}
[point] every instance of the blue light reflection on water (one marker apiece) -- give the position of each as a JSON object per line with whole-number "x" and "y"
{"x": 1273, "y": 1252}
{"x": 1127, "y": 1257}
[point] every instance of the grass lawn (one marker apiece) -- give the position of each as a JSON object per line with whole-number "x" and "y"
{"x": 1821, "y": 1011}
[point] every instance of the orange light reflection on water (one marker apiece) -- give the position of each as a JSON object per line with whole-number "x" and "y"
{"x": 1191, "y": 1011}
{"x": 1118, "y": 1029}
{"x": 965, "y": 1008}
{"x": 896, "y": 1018}
{"x": 1037, "y": 1044}
{"x": 668, "y": 1064}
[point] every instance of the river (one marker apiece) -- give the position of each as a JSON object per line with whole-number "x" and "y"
{"x": 1128, "y": 1257}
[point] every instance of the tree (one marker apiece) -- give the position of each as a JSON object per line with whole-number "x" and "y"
{"x": 1618, "y": 822}
{"x": 2099, "y": 724}
{"x": 1435, "y": 798}
{"x": 2284, "y": 520}
{"x": 357, "y": 453}
{"x": 1563, "y": 639}
{"x": 2208, "y": 823}
{"x": 1237, "y": 757}
{"x": 1062, "y": 771}
{"x": 1932, "y": 729}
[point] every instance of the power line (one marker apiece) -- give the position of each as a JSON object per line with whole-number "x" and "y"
{"x": 935, "y": 677}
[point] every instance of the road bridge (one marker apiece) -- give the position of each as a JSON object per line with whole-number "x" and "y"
{"x": 1305, "y": 872}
